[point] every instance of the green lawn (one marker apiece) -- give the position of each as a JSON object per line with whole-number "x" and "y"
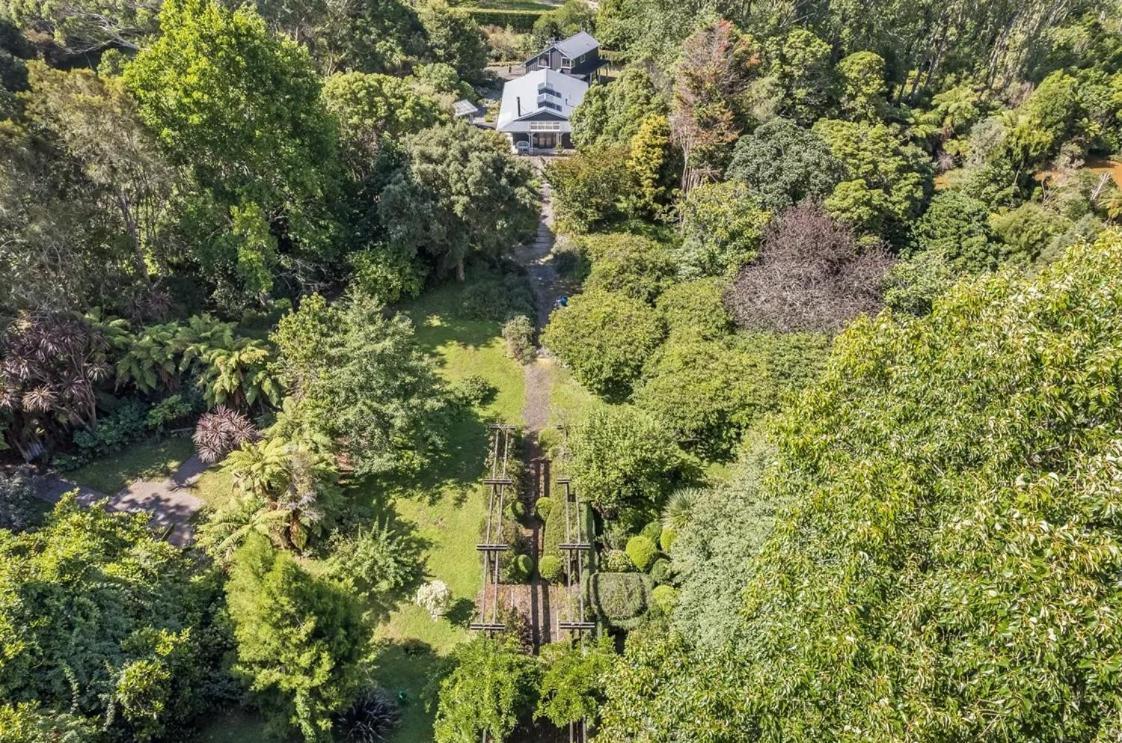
{"x": 152, "y": 459}
{"x": 445, "y": 505}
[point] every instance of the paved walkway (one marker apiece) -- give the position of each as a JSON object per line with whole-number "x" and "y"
{"x": 169, "y": 501}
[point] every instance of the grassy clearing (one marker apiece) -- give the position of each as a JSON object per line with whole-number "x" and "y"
{"x": 152, "y": 459}
{"x": 445, "y": 506}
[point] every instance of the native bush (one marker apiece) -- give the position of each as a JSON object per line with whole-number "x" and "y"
{"x": 628, "y": 264}
{"x": 706, "y": 392}
{"x": 476, "y": 390}
{"x": 126, "y": 424}
{"x": 952, "y": 476}
{"x": 721, "y": 225}
{"x": 620, "y": 599}
{"x": 641, "y": 551}
{"x": 604, "y": 338}
{"x": 783, "y": 164}
{"x": 518, "y": 332}
{"x": 386, "y": 275}
{"x": 811, "y": 276}
{"x": 589, "y": 188}
{"x": 379, "y": 563}
{"x": 19, "y": 508}
{"x": 623, "y": 457}
{"x": 573, "y": 682}
{"x": 956, "y": 225}
{"x": 172, "y": 409}
{"x": 696, "y": 308}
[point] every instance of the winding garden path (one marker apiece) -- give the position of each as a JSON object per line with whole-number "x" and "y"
{"x": 169, "y": 501}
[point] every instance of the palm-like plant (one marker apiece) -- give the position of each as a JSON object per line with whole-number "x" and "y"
{"x": 239, "y": 376}
{"x": 50, "y": 368}
{"x": 149, "y": 362}
{"x": 220, "y": 432}
{"x": 229, "y": 527}
{"x": 292, "y": 480}
{"x": 676, "y": 512}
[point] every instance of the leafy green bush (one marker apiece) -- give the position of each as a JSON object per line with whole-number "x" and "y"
{"x": 660, "y": 570}
{"x": 475, "y": 390}
{"x": 19, "y": 509}
{"x": 623, "y": 457}
{"x": 722, "y": 224}
{"x": 386, "y": 275}
{"x": 663, "y": 599}
{"x": 617, "y": 561}
{"x": 642, "y": 552}
{"x": 518, "y": 332}
{"x": 628, "y": 264}
{"x": 520, "y": 569}
{"x": 544, "y": 507}
{"x": 620, "y": 599}
{"x": 491, "y": 686}
{"x": 126, "y": 424}
{"x": 497, "y": 296}
{"x": 955, "y": 224}
{"x": 589, "y": 188}
{"x": 707, "y": 392}
{"x": 172, "y": 409}
{"x": 652, "y": 531}
{"x": 696, "y": 308}
{"x": 516, "y": 508}
{"x": 550, "y": 568}
{"x": 604, "y": 338}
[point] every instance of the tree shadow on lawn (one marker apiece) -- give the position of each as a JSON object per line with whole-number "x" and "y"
{"x": 410, "y": 670}
{"x": 461, "y": 612}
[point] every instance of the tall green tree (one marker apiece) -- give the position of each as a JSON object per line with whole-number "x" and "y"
{"x": 491, "y": 688}
{"x": 783, "y": 164}
{"x": 460, "y": 193}
{"x": 241, "y": 108}
{"x": 301, "y": 642}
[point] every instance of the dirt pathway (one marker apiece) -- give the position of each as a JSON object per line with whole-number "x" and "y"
{"x": 169, "y": 502}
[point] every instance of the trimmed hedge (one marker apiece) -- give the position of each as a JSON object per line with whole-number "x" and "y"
{"x": 544, "y": 507}
{"x": 621, "y": 599}
{"x": 664, "y": 599}
{"x": 660, "y": 570}
{"x": 517, "y": 20}
{"x": 642, "y": 552}
{"x": 550, "y": 568}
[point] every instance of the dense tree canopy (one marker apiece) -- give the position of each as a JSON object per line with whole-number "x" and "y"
{"x": 976, "y": 538}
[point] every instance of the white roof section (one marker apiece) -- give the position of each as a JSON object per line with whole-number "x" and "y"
{"x": 464, "y": 107}
{"x": 527, "y": 91}
{"x": 577, "y": 44}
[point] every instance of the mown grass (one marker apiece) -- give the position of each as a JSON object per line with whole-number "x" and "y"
{"x": 151, "y": 459}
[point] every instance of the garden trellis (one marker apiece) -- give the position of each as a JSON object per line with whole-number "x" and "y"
{"x": 492, "y": 546}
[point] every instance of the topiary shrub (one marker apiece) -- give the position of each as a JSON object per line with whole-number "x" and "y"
{"x": 519, "y": 570}
{"x": 667, "y": 538}
{"x": 617, "y": 561}
{"x": 550, "y": 568}
{"x": 642, "y": 552}
{"x": 652, "y": 531}
{"x": 660, "y": 570}
{"x": 664, "y": 599}
{"x": 518, "y": 332}
{"x": 374, "y": 714}
{"x": 516, "y": 508}
{"x": 544, "y": 507}
{"x": 605, "y": 338}
{"x": 620, "y": 599}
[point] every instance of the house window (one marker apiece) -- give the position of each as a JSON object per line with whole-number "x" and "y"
{"x": 545, "y": 126}
{"x": 566, "y": 63}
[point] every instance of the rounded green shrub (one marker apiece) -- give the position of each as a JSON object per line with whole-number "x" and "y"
{"x": 697, "y": 308}
{"x": 617, "y": 561}
{"x": 652, "y": 531}
{"x": 544, "y": 507}
{"x": 663, "y": 599}
{"x": 666, "y": 540}
{"x": 475, "y": 390}
{"x": 549, "y": 568}
{"x": 660, "y": 570}
{"x": 629, "y": 264}
{"x": 642, "y": 552}
{"x": 605, "y": 338}
{"x": 517, "y": 508}
{"x": 521, "y": 568}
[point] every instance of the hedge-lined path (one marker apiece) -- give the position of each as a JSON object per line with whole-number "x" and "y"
{"x": 169, "y": 501}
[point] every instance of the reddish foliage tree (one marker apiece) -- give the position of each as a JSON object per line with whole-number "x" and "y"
{"x": 811, "y": 275}
{"x": 716, "y": 67}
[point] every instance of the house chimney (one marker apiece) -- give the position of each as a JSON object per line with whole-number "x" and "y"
{"x": 518, "y": 103}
